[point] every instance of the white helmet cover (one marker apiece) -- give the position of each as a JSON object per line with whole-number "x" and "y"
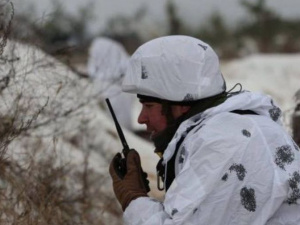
{"x": 175, "y": 68}
{"x": 107, "y": 59}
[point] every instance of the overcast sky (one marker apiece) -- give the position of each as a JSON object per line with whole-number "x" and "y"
{"x": 192, "y": 12}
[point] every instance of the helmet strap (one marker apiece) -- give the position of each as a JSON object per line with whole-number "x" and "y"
{"x": 167, "y": 112}
{"x": 162, "y": 139}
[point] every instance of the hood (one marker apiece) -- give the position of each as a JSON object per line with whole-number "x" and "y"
{"x": 257, "y": 102}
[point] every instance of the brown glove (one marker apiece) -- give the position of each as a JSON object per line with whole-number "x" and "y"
{"x": 130, "y": 185}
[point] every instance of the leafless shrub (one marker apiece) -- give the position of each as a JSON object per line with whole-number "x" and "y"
{"x": 5, "y": 22}
{"x": 53, "y": 167}
{"x": 42, "y": 194}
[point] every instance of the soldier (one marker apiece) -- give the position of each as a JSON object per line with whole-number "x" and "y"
{"x": 226, "y": 159}
{"x": 106, "y": 66}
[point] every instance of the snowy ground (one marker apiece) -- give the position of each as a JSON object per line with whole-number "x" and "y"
{"x": 68, "y": 124}
{"x": 275, "y": 75}
{"x": 89, "y": 129}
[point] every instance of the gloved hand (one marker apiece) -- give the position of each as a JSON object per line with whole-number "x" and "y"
{"x": 133, "y": 184}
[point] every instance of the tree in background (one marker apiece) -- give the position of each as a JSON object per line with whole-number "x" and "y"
{"x": 7, "y": 12}
{"x": 219, "y": 35}
{"x": 173, "y": 19}
{"x": 266, "y": 31}
{"x": 124, "y": 29}
{"x": 269, "y": 30}
{"x": 56, "y": 32}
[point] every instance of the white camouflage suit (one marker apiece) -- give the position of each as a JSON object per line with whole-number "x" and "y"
{"x": 230, "y": 169}
{"x": 106, "y": 65}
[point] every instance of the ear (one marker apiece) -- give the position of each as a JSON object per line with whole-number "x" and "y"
{"x": 178, "y": 110}
{"x": 185, "y": 108}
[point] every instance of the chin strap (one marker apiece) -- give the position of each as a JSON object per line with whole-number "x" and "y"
{"x": 162, "y": 139}
{"x": 160, "y": 174}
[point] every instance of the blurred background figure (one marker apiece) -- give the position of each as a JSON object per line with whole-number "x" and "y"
{"x": 296, "y": 119}
{"x": 106, "y": 65}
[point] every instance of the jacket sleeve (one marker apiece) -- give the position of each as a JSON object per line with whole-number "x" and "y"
{"x": 225, "y": 177}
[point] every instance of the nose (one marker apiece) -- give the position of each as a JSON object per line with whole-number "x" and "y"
{"x": 143, "y": 118}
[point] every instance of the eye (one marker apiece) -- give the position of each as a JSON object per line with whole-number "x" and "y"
{"x": 148, "y": 105}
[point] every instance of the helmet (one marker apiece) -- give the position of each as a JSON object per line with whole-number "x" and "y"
{"x": 107, "y": 59}
{"x": 174, "y": 68}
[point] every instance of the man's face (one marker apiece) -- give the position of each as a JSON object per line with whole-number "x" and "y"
{"x": 151, "y": 115}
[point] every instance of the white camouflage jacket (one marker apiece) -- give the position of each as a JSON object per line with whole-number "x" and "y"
{"x": 230, "y": 169}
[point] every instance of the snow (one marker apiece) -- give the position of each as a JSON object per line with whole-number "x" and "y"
{"x": 277, "y": 75}
{"x": 73, "y": 126}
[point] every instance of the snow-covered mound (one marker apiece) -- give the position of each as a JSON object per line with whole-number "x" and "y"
{"x": 275, "y": 75}
{"x": 51, "y": 112}
{"x": 47, "y": 111}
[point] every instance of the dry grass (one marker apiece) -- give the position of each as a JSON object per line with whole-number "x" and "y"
{"x": 39, "y": 185}
{"x": 37, "y": 192}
